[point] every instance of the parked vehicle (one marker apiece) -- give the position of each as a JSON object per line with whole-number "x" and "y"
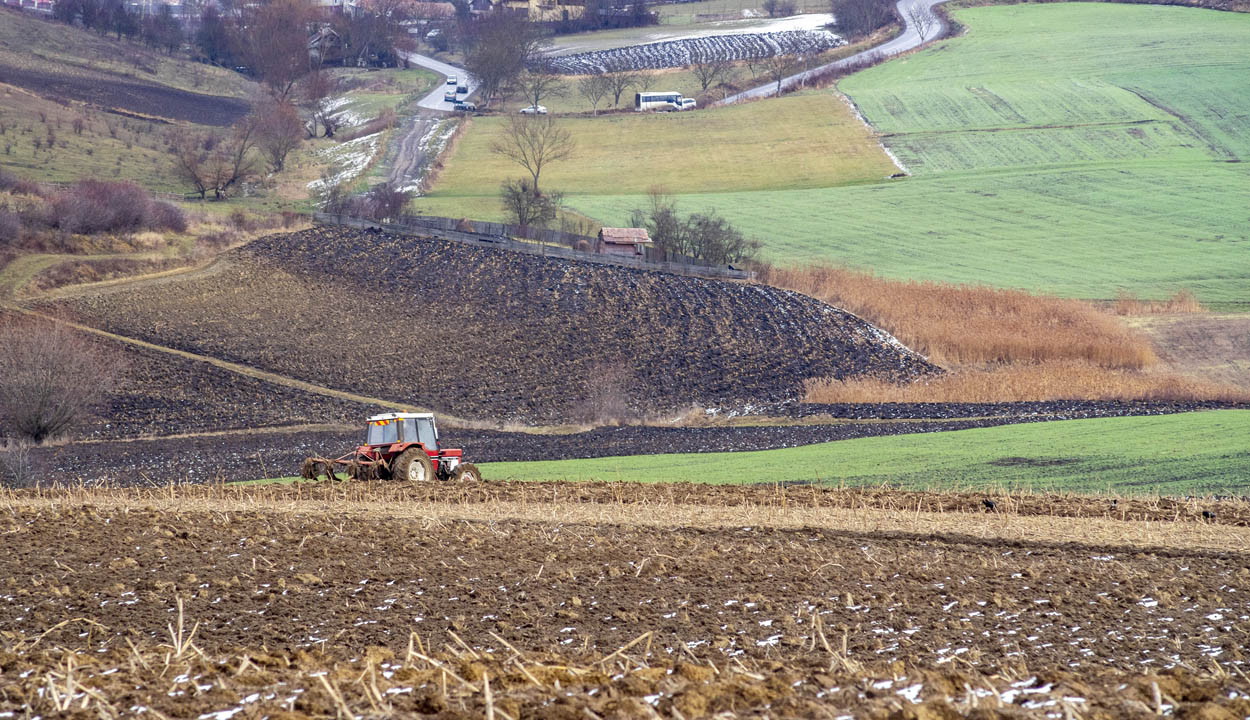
{"x": 464, "y": 106}
{"x": 462, "y": 88}
{"x": 662, "y": 102}
{"x": 451, "y": 79}
{"x": 450, "y": 96}
{"x": 534, "y": 110}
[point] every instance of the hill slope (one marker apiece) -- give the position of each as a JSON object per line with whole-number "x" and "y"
{"x": 493, "y": 334}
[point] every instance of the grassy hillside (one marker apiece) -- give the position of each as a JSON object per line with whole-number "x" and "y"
{"x": 1071, "y": 148}
{"x": 794, "y": 142}
{"x": 1192, "y": 453}
{"x": 28, "y": 42}
{"x": 1040, "y": 230}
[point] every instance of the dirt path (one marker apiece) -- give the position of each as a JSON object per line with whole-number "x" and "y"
{"x": 19, "y": 273}
{"x": 411, "y": 156}
{"x": 1213, "y": 347}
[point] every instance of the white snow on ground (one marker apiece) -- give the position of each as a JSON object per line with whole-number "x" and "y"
{"x": 434, "y": 142}
{"x": 347, "y": 160}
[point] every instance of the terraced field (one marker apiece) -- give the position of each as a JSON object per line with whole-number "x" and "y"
{"x": 1039, "y": 142}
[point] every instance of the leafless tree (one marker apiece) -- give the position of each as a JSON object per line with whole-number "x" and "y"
{"x": 526, "y": 206}
{"x": 710, "y": 70}
{"x": 50, "y": 378}
{"x": 922, "y": 18}
{"x": 208, "y": 162}
{"x": 778, "y": 68}
{"x": 858, "y": 18}
{"x": 280, "y": 131}
{"x": 314, "y": 93}
{"x": 274, "y": 40}
{"x": 647, "y": 79}
{"x": 538, "y": 83}
{"x": 533, "y": 142}
{"x": 499, "y": 45}
{"x": 594, "y": 88}
{"x": 619, "y": 82}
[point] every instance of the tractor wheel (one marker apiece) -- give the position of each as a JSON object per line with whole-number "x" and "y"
{"x": 414, "y": 465}
{"x": 467, "y": 472}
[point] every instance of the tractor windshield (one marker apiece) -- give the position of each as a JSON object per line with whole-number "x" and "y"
{"x": 383, "y": 432}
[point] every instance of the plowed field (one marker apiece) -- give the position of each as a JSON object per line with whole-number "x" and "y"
{"x": 481, "y": 333}
{"x": 368, "y": 601}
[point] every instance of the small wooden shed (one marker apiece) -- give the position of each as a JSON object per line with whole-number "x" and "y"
{"x": 623, "y": 241}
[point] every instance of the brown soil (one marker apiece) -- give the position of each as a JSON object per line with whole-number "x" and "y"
{"x": 408, "y": 612}
{"x": 491, "y": 334}
{"x": 1211, "y": 347}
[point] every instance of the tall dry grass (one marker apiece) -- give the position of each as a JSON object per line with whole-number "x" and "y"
{"x": 962, "y": 325}
{"x": 1183, "y": 301}
{"x": 1054, "y": 380}
{"x": 1000, "y": 345}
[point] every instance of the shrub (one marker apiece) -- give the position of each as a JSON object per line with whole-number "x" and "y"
{"x": 857, "y": 18}
{"x": 50, "y": 378}
{"x": 10, "y": 227}
{"x": 167, "y": 216}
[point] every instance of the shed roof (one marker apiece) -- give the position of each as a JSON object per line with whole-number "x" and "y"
{"x": 625, "y": 236}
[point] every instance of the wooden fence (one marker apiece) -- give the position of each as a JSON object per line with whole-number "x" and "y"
{"x": 503, "y": 241}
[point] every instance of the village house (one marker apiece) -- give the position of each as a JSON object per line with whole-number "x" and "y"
{"x": 632, "y": 242}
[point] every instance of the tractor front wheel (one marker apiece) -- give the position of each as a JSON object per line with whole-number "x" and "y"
{"x": 413, "y": 465}
{"x": 467, "y": 472}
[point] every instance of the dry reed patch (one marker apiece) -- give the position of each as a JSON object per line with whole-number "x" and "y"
{"x": 1183, "y": 301}
{"x": 974, "y": 325}
{"x": 1056, "y": 380}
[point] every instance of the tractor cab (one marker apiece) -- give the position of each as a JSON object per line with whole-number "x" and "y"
{"x": 392, "y": 428}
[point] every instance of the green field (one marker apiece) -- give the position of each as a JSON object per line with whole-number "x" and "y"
{"x": 795, "y": 142}
{"x": 1187, "y": 454}
{"x": 1072, "y": 148}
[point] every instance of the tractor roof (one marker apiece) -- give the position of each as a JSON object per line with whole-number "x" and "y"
{"x": 400, "y": 416}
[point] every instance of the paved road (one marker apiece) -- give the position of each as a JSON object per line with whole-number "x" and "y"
{"x": 909, "y": 39}
{"x": 434, "y": 100}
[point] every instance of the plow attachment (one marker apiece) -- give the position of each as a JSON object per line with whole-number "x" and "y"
{"x": 354, "y": 466}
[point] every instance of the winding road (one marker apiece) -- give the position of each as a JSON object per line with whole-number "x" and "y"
{"x": 907, "y": 40}
{"x": 410, "y": 158}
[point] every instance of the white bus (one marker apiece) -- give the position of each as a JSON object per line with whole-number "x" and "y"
{"x": 663, "y": 101}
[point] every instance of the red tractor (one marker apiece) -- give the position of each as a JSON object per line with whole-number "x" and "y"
{"x": 400, "y": 446}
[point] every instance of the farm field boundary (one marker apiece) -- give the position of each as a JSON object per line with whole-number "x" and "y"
{"x": 1040, "y": 137}
{"x": 1200, "y": 453}
{"x": 475, "y": 506}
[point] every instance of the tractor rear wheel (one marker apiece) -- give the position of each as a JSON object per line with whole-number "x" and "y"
{"x": 467, "y": 472}
{"x": 413, "y": 465}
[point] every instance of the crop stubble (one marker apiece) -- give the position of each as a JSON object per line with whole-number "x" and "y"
{"x": 756, "y": 620}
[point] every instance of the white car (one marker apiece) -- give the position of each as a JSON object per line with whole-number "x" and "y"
{"x": 534, "y": 110}
{"x": 451, "y": 80}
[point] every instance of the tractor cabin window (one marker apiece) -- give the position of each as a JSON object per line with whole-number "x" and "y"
{"x": 410, "y": 430}
{"x": 382, "y": 432}
{"x": 425, "y": 433}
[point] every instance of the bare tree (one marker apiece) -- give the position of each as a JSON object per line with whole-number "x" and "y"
{"x": 594, "y": 88}
{"x": 539, "y": 83}
{"x": 274, "y": 40}
{"x": 499, "y": 45}
{"x": 526, "y": 206}
{"x": 619, "y": 82}
{"x": 533, "y": 142}
{"x": 50, "y": 378}
{"x": 280, "y": 131}
{"x": 922, "y": 18}
{"x": 778, "y": 68}
{"x": 209, "y": 162}
{"x": 858, "y": 18}
{"x": 647, "y": 80}
{"x": 709, "y": 70}
{"x": 314, "y": 93}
